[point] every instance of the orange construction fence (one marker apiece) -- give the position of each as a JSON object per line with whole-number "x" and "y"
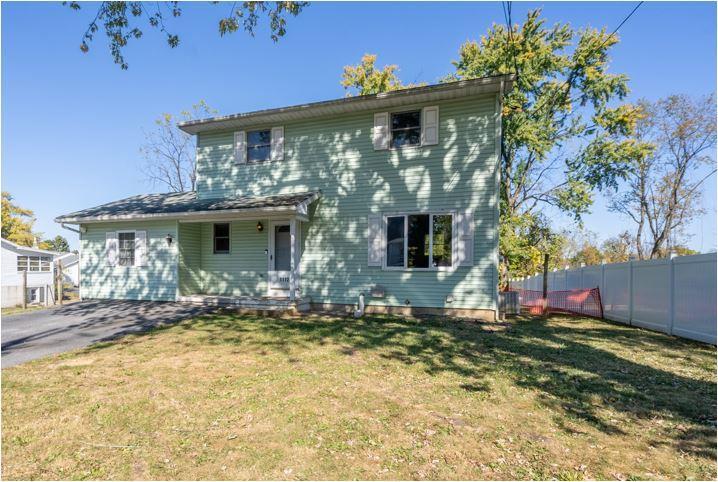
{"x": 580, "y": 302}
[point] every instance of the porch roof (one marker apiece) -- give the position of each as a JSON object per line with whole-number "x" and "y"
{"x": 186, "y": 205}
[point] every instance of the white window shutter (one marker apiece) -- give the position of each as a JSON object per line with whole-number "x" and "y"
{"x": 465, "y": 238}
{"x": 140, "y": 248}
{"x": 111, "y": 248}
{"x": 240, "y": 147}
{"x": 375, "y": 254}
{"x": 430, "y": 126}
{"x": 277, "y": 144}
{"x": 380, "y": 133}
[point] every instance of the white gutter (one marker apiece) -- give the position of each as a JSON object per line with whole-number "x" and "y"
{"x": 384, "y": 100}
{"x": 62, "y": 225}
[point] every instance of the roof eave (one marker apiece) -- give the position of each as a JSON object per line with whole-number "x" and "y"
{"x": 300, "y": 209}
{"x": 345, "y": 105}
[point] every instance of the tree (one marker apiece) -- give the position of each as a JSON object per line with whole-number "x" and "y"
{"x": 58, "y": 244}
{"x": 618, "y": 249}
{"x": 365, "y": 79}
{"x": 525, "y": 242}
{"x": 17, "y": 222}
{"x": 565, "y": 132}
{"x": 580, "y": 247}
{"x": 662, "y": 191}
{"x": 169, "y": 152}
{"x": 121, "y": 21}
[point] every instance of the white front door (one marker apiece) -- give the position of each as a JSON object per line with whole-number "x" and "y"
{"x": 280, "y": 253}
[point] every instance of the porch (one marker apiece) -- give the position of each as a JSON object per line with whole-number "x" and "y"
{"x": 246, "y": 263}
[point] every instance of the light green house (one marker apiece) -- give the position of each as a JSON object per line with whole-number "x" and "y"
{"x": 391, "y": 196}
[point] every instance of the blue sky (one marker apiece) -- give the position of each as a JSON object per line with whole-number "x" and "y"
{"x": 72, "y": 123}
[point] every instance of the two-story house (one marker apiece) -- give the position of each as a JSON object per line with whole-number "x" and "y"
{"x": 393, "y": 196}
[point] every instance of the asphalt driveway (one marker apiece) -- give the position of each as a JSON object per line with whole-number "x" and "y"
{"x": 36, "y": 334}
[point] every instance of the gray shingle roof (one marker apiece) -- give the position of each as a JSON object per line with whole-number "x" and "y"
{"x": 181, "y": 203}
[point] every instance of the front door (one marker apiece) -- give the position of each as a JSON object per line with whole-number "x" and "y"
{"x": 280, "y": 252}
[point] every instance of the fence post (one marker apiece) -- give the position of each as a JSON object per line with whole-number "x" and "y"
{"x": 24, "y": 289}
{"x": 630, "y": 292}
{"x": 544, "y": 291}
{"x": 565, "y": 278}
{"x": 60, "y": 294}
{"x": 671, "y": 293}
{"x": 602, "y": 282}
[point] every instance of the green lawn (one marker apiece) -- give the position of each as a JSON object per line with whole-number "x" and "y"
{"x": 241, "y": 397}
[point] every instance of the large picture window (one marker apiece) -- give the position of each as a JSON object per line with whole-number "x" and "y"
{"x": 126, "y": 242}
{"x": 221, "y": 238}
{"x": 419, "y": 241}
{"x": 259, "y": 144}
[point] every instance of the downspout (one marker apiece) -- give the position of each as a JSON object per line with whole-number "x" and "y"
{"x": 79, "y": 256}
{"x": 360, "y": 312}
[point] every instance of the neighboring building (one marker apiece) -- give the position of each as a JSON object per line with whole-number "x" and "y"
{"x": 39, "y": 266}
{"x": 70, "y": 268}
{"x": 394, "y": 196}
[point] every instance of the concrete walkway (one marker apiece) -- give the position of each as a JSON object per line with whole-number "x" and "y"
{"x": 32, "y": 335}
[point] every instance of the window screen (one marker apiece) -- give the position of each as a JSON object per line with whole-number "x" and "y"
{"x": 259, "y": 145}
{"x": 395, "y": 241}
{"x": 441, "y": 235}
{"x": 126, "y": 242}
{"x": 406, "y": 129}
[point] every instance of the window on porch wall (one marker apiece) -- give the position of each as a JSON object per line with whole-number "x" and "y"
{"x": 282, "y": 248}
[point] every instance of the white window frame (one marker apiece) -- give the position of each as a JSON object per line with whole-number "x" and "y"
{"x": 27, "y": 263}
{"x": 134, "y": 250}
{"x": 431, "y": 214}
{"x": 391, "y": 131}
{"x": 246, "y": 146}
{"x": 229, "y": 240}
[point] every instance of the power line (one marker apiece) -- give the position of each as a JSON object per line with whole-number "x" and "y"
{"x": 506, "y": 7}
{"x": 573, "y": 72}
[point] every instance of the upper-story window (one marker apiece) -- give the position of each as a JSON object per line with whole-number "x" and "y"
{"x": 406, "y": 129}
{"x": 259, "y": 145}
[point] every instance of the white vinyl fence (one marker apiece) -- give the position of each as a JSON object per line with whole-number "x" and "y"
{"x": 675, "y": 296}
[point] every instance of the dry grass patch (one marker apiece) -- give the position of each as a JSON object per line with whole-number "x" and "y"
{"x": 241, "y": 397}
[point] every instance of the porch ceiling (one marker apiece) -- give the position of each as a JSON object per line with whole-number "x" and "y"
{"x": 186, "y": 206}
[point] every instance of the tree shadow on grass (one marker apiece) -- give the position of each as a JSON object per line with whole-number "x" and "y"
{"x": 577, "y": 369}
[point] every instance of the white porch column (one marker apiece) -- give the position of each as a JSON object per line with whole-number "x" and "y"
{"x": 292, "y": 258}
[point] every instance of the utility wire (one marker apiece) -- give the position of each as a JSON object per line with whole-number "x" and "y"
{"x": 506, "y": 7}
{"x": 573, "y": 72}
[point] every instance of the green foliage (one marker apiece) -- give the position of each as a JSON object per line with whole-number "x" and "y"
{"x": 17, "y": 222}
{"x": 564, "y": 136}
{"x": 523, "y": 240}
{"x": 118, "y": 20}
{"x": 58, "y": 244}
{"x": 365, "y": 79}
{"x": 618, "y": 249}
